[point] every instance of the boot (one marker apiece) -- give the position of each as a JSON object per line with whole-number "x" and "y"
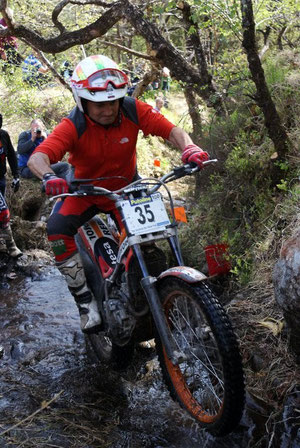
{"x": 12, "y": 249}
{"x": 72, "y": 270}
{"x": 3, "y": 248}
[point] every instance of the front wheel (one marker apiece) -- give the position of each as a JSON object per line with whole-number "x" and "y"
{"x": 208, "y": 381}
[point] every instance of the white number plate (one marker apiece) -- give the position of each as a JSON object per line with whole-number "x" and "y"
{"x": 145, "y": 215}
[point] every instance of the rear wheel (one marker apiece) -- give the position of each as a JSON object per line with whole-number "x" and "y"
{"x": 103, "y": 348}
{"x": 208, "y": 382}
{"x": 110, "y": 353}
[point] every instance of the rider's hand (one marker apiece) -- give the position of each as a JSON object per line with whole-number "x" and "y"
{"x": 15, "y": 185}
{"x": 193, "y": 153}
{"x": 54, "y": 185}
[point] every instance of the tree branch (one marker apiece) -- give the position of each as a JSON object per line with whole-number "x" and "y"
{"x": 6, "y": 14}
{"x": 59, "y": 7}
{"x": 52, "y": 69}
{"x": 167, "y": 55}
{"x": 55, "y": 13}
{"x": 69, "y": 39}
{"x": 128, "y": 50}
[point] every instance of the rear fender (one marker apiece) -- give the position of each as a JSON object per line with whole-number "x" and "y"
{"x": 189, "y": 275}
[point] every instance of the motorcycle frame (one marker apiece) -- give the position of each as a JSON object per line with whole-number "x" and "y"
{"x": 131, "y": 247}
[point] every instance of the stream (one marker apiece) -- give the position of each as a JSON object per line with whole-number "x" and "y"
{"x": 54, "y": 394}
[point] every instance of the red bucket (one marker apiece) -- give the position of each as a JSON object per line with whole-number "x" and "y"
{"x": 217, "y": 258}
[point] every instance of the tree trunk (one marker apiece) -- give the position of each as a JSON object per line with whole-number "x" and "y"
{"x": 194, "y": 40}
{"x": 143, "y": 84}
{"x": 195, "y": 115}
{"x": 197, "y": 128}
{"x": 263, "y": 98}
{"x": 168, "y": 56}
{"x": 164, "y": 53}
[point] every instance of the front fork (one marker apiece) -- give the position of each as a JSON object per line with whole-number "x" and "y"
{"x": 148, "y": 285}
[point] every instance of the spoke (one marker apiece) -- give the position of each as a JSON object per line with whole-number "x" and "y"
{"x": 181, "y": 316}
{"x": 212, "y": 371}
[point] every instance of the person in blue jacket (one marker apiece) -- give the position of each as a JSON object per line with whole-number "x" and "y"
{"x": 27, "y": 142}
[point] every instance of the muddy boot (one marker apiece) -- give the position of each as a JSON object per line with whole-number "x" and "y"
{"x": 72, "y": 270}
{"x": 12, "y": 249}
{"x": 3, "y": 248}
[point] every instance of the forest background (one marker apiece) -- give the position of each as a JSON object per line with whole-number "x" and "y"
{"x": 235, "y": 88}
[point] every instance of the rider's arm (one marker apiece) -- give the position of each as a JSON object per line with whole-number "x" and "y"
{"x": 179, "y": 138}
{"x": 39, "y": 164}
{"x": 53, "y": 148}
{"x": 157, "y": 124}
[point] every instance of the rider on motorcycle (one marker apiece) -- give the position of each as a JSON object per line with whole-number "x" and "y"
{"x": 100, "y": 135}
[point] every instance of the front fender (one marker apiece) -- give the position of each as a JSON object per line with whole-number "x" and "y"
{"x": 187, "y": 274}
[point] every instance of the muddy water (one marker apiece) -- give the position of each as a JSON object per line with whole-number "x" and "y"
{"x": 53, "y": 395}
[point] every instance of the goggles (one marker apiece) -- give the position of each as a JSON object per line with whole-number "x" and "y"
{"x": 99, "y": 80}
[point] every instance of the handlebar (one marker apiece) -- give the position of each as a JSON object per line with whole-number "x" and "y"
{"x": 76, "y": 188}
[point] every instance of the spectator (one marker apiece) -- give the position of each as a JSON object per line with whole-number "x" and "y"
{"x": 66, "y": 71}
{"x": 9, "y": 45}
{"x": 159, "y": 103}
{"x": 27, "y": 142}
{"x": 34, "y": 72}
{"x": 7, "y": 151}
{"x": 165, "y": 80}
{"x": 155, "y": 84}
{"x": 132, "y": 85}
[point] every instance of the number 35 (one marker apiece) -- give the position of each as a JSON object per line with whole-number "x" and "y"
{"x": 145, "y": 214}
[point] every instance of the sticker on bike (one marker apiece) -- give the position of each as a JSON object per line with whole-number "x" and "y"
{"x": 145, "y": 214}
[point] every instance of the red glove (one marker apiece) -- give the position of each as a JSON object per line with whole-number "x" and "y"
{"x": 54, "y": 185}
{"x": 193, "y": 153}
{"x": 4, "y": 218}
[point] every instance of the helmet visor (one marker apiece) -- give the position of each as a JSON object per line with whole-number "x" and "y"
{"x": 99, "y": 80}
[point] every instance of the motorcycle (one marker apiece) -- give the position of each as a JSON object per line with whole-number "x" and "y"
{"x": 145, "y": 291}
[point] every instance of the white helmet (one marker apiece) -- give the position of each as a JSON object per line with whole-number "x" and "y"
{"x": 97, "y": 78}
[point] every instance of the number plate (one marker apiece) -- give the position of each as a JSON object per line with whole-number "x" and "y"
{"x": 145, "y": 214}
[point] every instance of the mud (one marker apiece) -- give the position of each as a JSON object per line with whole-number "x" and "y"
{"x": 53, "y": 394}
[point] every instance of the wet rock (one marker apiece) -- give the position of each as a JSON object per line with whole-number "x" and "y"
{"x": 17, "y": 350}
{"x": 11, "y": 276}
{"x": 286, "y": 280}
{"x": 287, "y": 428}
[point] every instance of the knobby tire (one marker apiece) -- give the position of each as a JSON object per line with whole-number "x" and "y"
{"x": 209, "y": 383}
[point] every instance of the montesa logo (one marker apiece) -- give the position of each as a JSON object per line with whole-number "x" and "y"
{"x": 107, "y": 249}
{"x": 110, "y": 252}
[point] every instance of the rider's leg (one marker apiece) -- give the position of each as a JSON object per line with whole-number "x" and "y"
{"x": 5, "y": 229}
{"x": 12, "y": 249}
{"x": 72, "y": 269}
{"x": 62, "y": 225}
